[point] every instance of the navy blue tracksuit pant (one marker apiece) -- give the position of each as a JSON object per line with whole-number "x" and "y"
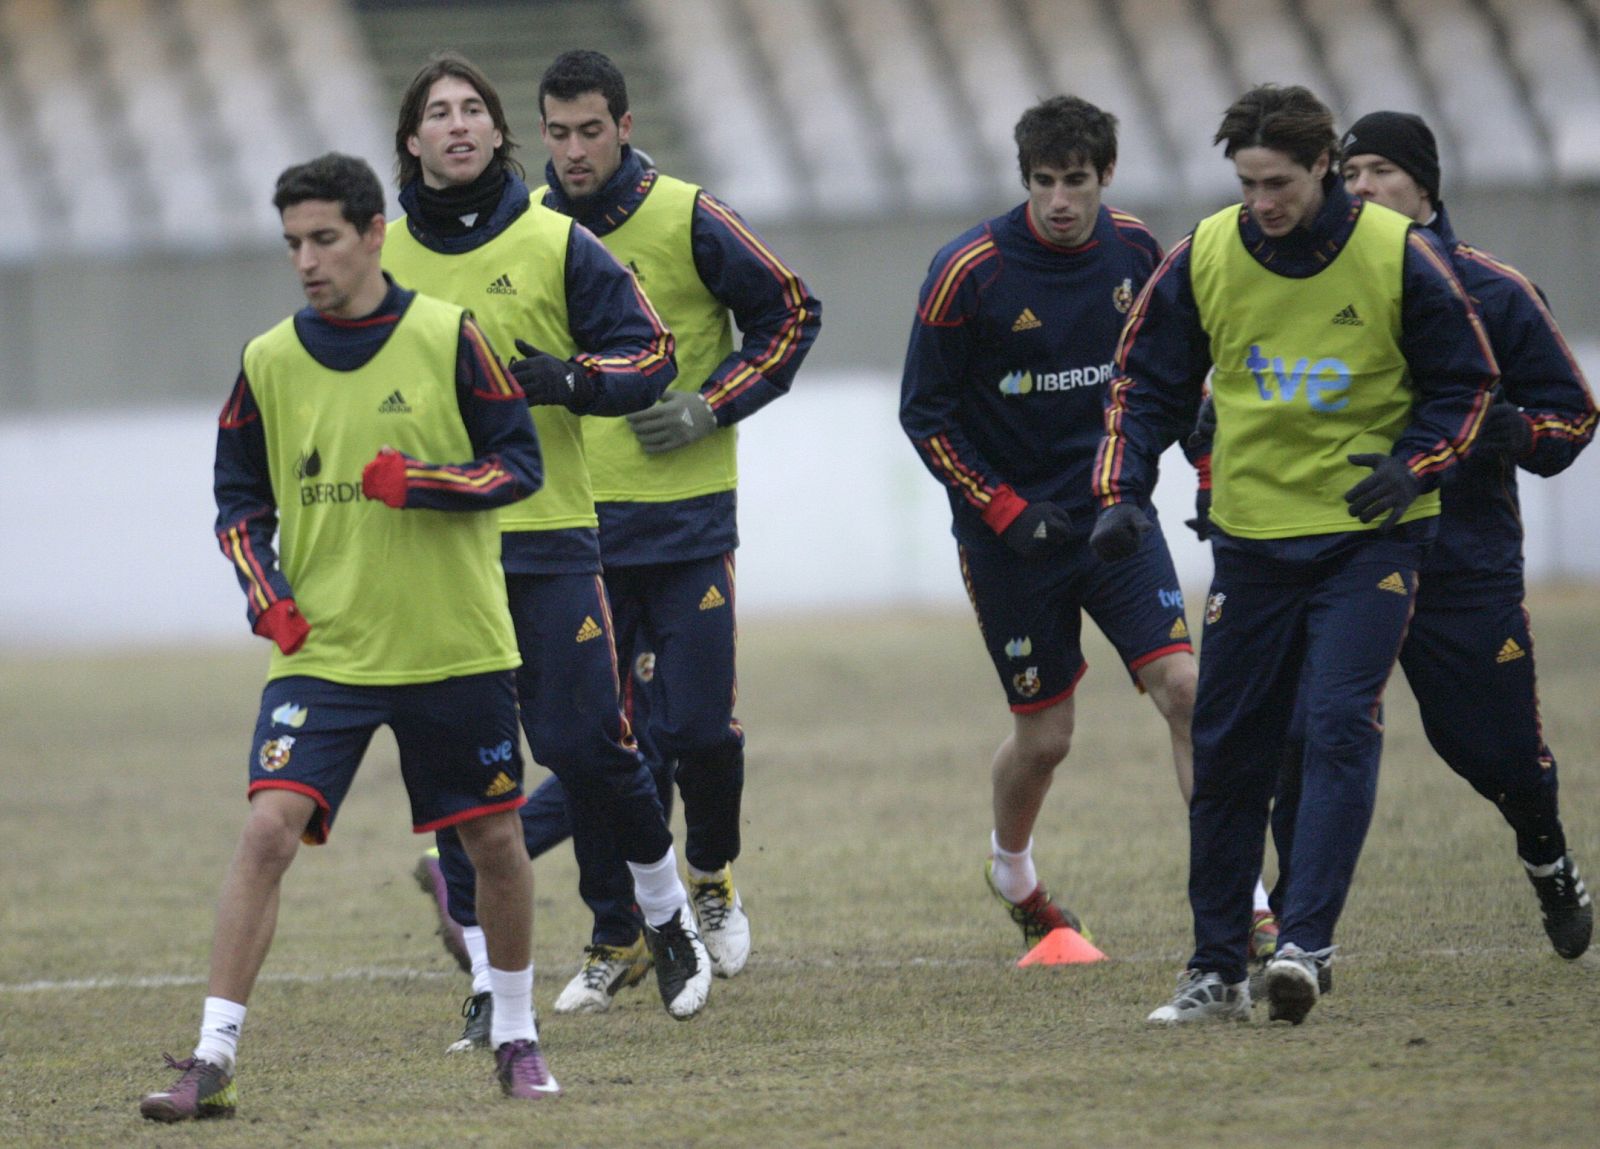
{"x": 683, "y": 612}
{"x": 1333, "y": 608}
{"x": 568, "y": 688}
{"x": 1469, "y": 660}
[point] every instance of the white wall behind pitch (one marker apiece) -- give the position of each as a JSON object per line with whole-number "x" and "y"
{"x": 105, "y": 520}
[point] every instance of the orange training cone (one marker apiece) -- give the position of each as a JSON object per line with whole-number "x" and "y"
{"x": 1062, "y": 946}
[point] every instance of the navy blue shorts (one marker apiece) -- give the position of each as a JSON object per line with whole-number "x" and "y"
{"x": 459, "y": 753}
{"x": 1031, "y": 613}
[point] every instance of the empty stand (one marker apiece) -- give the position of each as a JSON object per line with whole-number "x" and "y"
{"x": 1086, "y": 58}
{"x": 938, "y": 162}
{"x": 742, "y": 146}
{"x": 1550, "y": 44}
{"x": 821, "y": 106}
{"x": 1184, "y": 66}
{"x": 1480, "y": 102}
{"x": 46, "y": 55}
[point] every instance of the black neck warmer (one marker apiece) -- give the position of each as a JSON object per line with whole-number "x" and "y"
{"x": 442, "y": 209}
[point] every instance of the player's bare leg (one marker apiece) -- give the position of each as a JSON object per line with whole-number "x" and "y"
{"x": 1170, "y": 681}
{"x": 247, "y": 907}
{"x": 505, "y": 910}
{"x": 247, "y": 917}
{"x": 1024, "y": 767}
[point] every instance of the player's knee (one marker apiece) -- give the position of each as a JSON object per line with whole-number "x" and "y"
{"x": 269, "y": 840}
{"x": 494, "y": 843}
{"x": 1042, "y": 751}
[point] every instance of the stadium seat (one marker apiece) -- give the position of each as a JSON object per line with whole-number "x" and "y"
{"x": 742, "y": 145}
{"x": 937, "y": 158}
{"x": 1181, "y": 64}
{"x": 1479, "y": 102}
{"x": 1551, "y": 47}
{"x": 823, "y": 109}
{"x": 1086, "y": 59}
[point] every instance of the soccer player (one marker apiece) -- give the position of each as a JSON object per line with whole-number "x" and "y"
{"x": 374, "y": 433}
{"x": 590, "y": 345}
{"x": 1469, "y": 652}
{"x": 665, "y": 483}
{"x": 1016, "y": 329}
{"x": 1349, "y": 373}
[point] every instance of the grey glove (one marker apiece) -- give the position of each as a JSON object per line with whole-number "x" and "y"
{"x": 678, "y": 419}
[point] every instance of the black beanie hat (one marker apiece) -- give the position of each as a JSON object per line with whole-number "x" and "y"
{"x": 1403, "y": 139}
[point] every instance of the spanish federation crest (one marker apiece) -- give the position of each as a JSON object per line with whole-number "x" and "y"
{"x": 275, "y": 752}
{"x": 1214, "y": 607}
{"x": 1122, "y": 296}
{"x": 1026, "y": 683}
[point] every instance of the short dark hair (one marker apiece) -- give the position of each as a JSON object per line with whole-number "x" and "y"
{"x": 582, "y": 70}
{"x": 345, "y": 180}
{"x": 415, "y": 101}
{"x": 1290, "y": 120}
{"x": 1064, "y": 130}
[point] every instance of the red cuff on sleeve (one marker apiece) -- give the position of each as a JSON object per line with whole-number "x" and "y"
{"x": 283, "y": 623}
{"x": 1004, "y": 507}
{"x": 1202, "y": 470}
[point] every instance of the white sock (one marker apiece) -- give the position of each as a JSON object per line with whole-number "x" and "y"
{"x": 1014, "y": 875}
{"x": 478, "y": 950}
{"x": 220, "y": 1024}
{"x": 658, "y": 889}
{"x": 699, "y": 875}
{"x": 513, "y": 1006}
{"x": 1261, "y": 896}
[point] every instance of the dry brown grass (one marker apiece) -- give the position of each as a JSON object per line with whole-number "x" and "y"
{"x": 881, "y": 1005}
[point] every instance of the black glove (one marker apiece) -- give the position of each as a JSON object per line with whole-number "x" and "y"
{"x": 678, "y": 419}
{"x": 1205, "y": 428}
{"x": 551, "y": 382}
{"x": 1201, "y": 523}
{"x": 1505, "y": 431}
{"x": 1041, "y": 529}
{"x": 1390, "y": 489}
{"x": 1117, "y": 532}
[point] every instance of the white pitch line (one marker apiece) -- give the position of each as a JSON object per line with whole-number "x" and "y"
{"x": 401, "y": 973}
{"x": 162, "y": 981}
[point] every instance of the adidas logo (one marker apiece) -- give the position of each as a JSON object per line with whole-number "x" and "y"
{"x": 590, "y": 629}
{"x": 1394, "y": 584}
{"x": 502, "y": 286}
{"x": 1349, "y": 318}
{"x": 1179, "y": 630}
{"x": 1510, "y": 652}
{"x": 712, "y": 599}
{"x": 502, "y": 784}
{"x": 1027, "y": 321}
{"x": 395, "y": 404}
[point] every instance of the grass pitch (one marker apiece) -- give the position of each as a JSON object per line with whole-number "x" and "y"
{"x": 881, "y": 1005}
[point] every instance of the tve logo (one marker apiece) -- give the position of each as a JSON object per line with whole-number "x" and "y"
{"x": 1325, "y": 381}
{"x": 489, "y": 755}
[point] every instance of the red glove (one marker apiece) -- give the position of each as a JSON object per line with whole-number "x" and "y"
{"x": 385, "y": 478}
{"x": 283, "y": 623}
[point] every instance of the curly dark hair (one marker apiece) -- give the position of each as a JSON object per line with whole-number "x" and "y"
{"x": 1064, "y": 130}
{"x": 345, "y": 180}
